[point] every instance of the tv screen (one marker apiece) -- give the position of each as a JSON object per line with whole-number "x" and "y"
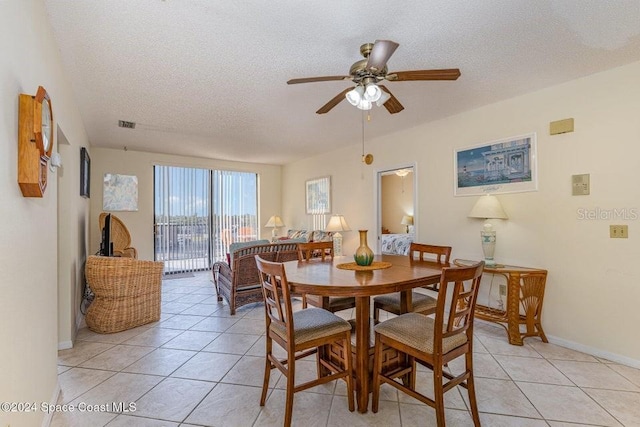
{"x": 106, "y": 247}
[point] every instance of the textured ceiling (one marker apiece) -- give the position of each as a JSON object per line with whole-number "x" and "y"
{"x": 208, "y": 78}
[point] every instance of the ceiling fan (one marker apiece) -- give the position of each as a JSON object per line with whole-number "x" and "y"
{"x": 368, "y": 72}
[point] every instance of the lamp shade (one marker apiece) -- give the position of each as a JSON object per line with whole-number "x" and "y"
{"x": 337, "y": 223}
{"x": 372, "y": 92}
{"x": 407, "y": 220}
{"x": 274, "y": 222}
{"x": 384, "y": 97}
{"x": 355, "y": 95}
{"x": 488, "y": 207}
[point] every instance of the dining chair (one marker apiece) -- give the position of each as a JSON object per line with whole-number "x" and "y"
{"x": 305, "y": 332}
{"x": 434, "y": 342}
{"x": 421, "y": 303}
{"x": 318, "y": 252}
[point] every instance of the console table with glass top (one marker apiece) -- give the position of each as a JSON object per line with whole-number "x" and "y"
{"x": 525, "y": 289}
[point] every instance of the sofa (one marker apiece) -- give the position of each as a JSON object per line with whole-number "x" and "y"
{"x": 127, "y": 293}
{"x": 308, "y": 235}
{"x": 237, "y": 281}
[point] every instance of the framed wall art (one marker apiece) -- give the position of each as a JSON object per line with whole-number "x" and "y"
{"x": 120, "y": 192}
{"x": 85, "y": 173}
{"x": 318, "y": 195}
{"x": 505, "y": 166}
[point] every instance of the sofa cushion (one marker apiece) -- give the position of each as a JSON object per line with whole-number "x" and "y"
{"x": 299, "y": 234}
{"x": 239, "y": 245}
{"x": 286, "y": 240}
{"x": 321, "y": 236}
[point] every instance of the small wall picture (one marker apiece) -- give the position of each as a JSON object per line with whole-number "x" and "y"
{"x": 120, "y": 192}
{"x": 318, "y": 195}
{"x": 505, "y": 166}
{"x": 85, "y": 173}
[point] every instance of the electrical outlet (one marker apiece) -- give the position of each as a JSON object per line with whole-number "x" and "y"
{"x": 619, "y": 231}
{"x": 503, "y": 290}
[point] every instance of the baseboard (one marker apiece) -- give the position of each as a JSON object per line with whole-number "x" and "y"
{"x": 46, "y": 421}
{"x": 80, "y": 323}
{"x": 65, "y": 345}
{"x": 623, "y": 360}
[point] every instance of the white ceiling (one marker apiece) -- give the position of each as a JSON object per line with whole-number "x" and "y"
{"x": 208, "y": 78}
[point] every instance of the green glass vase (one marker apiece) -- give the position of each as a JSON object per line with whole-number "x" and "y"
{"x": 364, "y": 254}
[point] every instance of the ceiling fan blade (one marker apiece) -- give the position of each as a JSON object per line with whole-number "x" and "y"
{"x": 317, "y": 79}
{"x": 335, "y": 101}
{"x": 446, "y": 74}
{"x": 393, "y": 106}
{"x": 380, "y": 54}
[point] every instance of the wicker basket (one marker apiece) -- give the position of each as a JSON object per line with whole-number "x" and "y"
{"x": 127, "y": 293}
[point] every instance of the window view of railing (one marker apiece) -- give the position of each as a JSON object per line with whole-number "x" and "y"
{"x": 199, "y": 212}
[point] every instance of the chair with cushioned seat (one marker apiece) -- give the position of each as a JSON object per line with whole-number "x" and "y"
{"x": 421, "y": 303}
{"x": 433, "y": 342}
{"x": 305, "y": 332}
{"x": 318, "y": 252}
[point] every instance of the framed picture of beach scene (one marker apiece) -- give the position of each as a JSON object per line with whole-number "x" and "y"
{"x": 505, "y": 166}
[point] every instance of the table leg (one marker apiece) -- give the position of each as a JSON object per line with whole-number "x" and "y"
{"x": 513, "y": 309}
{"x": 406, "y": 303}
{"x": 362, "y": 353}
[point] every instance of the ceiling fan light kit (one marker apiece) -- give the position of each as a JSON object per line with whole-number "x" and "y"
{"x": 384, "y": 97}
{"x": 354, "y": 96}
{"x": 372, "y": 92}
{"x": 368, "y": 72}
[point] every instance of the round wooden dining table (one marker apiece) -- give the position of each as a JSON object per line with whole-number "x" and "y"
{"x": 325, "y": 279}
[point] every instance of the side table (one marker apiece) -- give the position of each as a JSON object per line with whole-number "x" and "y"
{"x": 525, "y": 288}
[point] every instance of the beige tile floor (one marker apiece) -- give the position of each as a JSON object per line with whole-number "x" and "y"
{"x": 200, "y": 366}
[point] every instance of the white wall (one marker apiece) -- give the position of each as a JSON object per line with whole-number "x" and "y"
{"x": 592, "y": 289}
{"x": 29, "y": 226}
{"x": 140, "y": 164}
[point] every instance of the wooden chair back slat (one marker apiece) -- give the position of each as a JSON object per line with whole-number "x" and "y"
{"x": 424, "y": 252}
{"x": 459, "y": 319}
{"x": 276, "y": 294}
{"x": 315, "y": 250}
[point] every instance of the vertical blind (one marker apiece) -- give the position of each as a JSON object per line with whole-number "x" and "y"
{"x": 199, "y": 212}
{"x": 235, "y": 205}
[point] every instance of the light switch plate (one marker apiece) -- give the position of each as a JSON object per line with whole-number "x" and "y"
{"x": 580, "y": 185}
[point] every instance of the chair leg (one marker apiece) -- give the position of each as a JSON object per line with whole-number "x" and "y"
{"x": 348, "y": 366}
{"x": 267, "y": 370}
{"x": 543, "y": 337}
{"x": 471, "y": 389}
{"x": 438, "y": 392}
{"x": 376, "y": 314}
{"x": 304, "y": 300}
{"x": 291, "y": 383}
{"x": 411, "y": 376}
{"x": 377, "y": 371}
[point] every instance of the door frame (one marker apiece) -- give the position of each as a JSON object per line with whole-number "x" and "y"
{"x": 378, "y": 173}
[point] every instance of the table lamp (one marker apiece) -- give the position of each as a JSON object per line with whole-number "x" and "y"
{"x": 488, "y": 207}
{"x": 274, "y": 222}
{"x": 337, "y": 223}
{"x": 407, "y": 220}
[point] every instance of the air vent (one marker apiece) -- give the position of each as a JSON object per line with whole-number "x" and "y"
{"x": 125, "y": 124}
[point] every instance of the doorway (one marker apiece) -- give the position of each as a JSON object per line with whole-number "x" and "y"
{"x": 396, "y": 207}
